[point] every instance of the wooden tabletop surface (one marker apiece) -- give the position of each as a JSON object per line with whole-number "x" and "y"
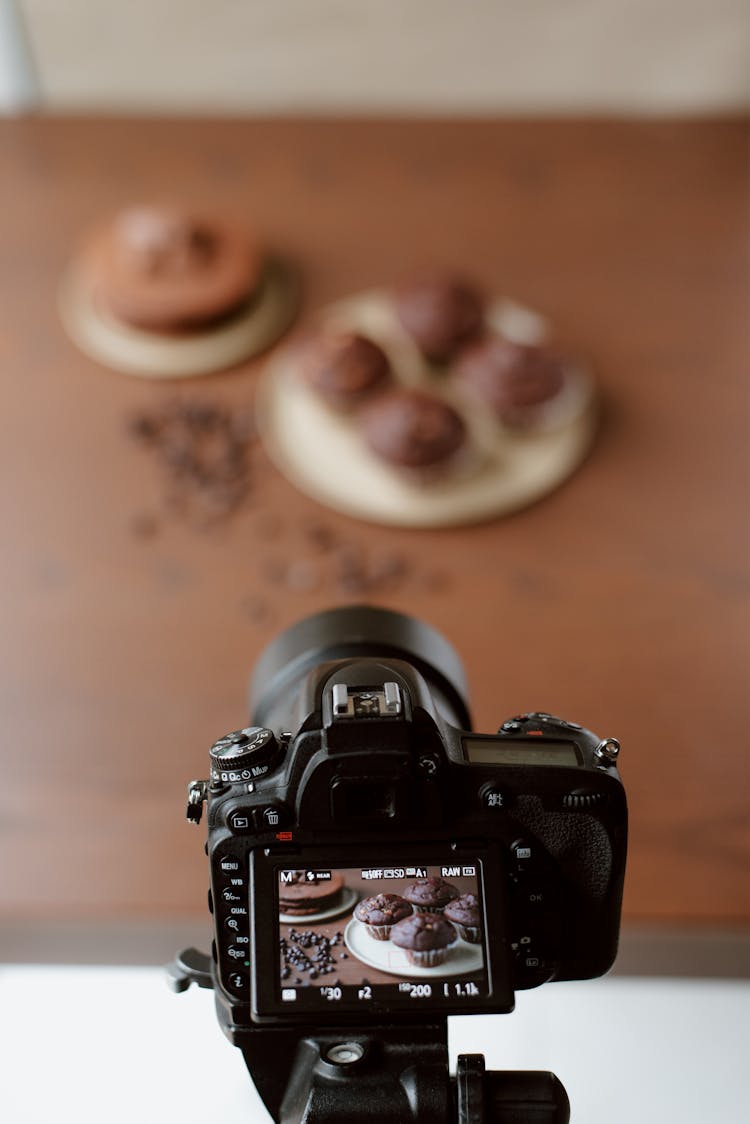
{"x": 620, "y": 601}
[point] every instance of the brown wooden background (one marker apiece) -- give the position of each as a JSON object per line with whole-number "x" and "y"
{"x": 620, "y": 601}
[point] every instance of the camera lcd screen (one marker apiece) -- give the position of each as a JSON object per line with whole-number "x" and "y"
{"x": 535, "y": 751}
{"x": 353, "y": 936}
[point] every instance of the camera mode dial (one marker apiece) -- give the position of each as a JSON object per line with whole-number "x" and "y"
{"x": 244, "y": 755}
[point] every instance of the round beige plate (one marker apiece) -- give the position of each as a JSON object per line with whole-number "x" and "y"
{"x": 323, "y": 454}
{"x": 136, "y": 352}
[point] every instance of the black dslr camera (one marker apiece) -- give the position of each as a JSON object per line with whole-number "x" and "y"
{"x": 376, "y": 866}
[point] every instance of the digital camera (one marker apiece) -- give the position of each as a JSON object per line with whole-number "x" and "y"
{"x": 373, "y": 861}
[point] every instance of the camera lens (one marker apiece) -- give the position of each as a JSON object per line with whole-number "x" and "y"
{"x": 358, "y": 631}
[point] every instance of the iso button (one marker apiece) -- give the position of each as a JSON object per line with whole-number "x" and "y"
{"x": 238, "y": 950}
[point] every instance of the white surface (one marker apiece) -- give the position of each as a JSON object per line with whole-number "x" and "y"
{"x": 427, "y": 56}
{"x": 91, "y": 1045}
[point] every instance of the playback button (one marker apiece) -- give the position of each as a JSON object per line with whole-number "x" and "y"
{"x": 240, "y": 821}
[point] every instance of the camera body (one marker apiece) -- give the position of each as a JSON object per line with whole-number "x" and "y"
{"x": 361, "y": 781}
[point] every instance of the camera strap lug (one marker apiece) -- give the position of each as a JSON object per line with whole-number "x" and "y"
{"x": 197, "y": 793}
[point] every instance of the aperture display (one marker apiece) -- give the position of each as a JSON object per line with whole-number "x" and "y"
{"x": 533, "y": 751}
{"x": 355, "y": 936}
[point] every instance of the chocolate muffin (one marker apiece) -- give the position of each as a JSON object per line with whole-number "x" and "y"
{"x": 440, "y": 314}
{"x": 413, "y": 431}
{"x": 515, "y": 380}
{"x": 301, "y": 898}
{"x": 166, "y": 269}
{"x": 425, "y": 938}
{"x": 464, "y": 913}
{"x": 344, "y": 368}
{"x": 380, "y": 913}
{"x": 430, "y": 895}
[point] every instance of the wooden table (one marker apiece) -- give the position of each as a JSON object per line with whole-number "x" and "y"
{"x": 621, "y": 601}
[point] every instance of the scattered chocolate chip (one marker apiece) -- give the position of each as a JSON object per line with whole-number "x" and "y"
{"x": 434, "y": 581}
{"x": 257, "y": 609}
{"x": 274, "y": 571}
{"x": 302, "y": 575}
{"x": 203, "y": 450}
{"x": 268, "y": 526}
{"x": 145, "y": 525}
{"x": 319, "y": 536}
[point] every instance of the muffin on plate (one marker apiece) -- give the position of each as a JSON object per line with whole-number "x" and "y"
{"x": 343, "y": 368}
{"x": 440, "y": 313}
{"x": 430, "y": 895}
{"x": 414, "y": 432}
{"x": 464, "y": 913}
{"x": 380, "y": 913}
{"x": 425, "y": 938}
{"x": 518, "y": 382}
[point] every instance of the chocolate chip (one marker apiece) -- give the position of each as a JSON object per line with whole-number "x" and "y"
{"x": 202, "y": 449}
{"x": 301, "y": 575}
{"x": 144, "y": 525}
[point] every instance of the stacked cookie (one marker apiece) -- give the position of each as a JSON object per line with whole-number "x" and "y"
{"x": 164, "y": 290}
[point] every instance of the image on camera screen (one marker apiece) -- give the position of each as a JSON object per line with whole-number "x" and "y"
{"x": 359, "y": 934}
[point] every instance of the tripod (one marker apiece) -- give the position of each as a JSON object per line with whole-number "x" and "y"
{"x": 381, "y": 1074}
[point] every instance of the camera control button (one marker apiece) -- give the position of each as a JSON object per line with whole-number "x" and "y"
{"x": 493, "y": 797}
{"x": 238, "y": 950}
{"x": 271, "y": 817}
{"x": 235, "y": 924}
{"x": 237, "y": 982}
{"x": 233, "y": 894}
{"x": 241, "y": 821}
{"x": 524, "y": 855}
{"x": 243, "y": 755}
{"x": 230, "y": 865}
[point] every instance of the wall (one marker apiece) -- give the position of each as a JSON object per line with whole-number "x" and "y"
{"x": 434, "y": 56}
